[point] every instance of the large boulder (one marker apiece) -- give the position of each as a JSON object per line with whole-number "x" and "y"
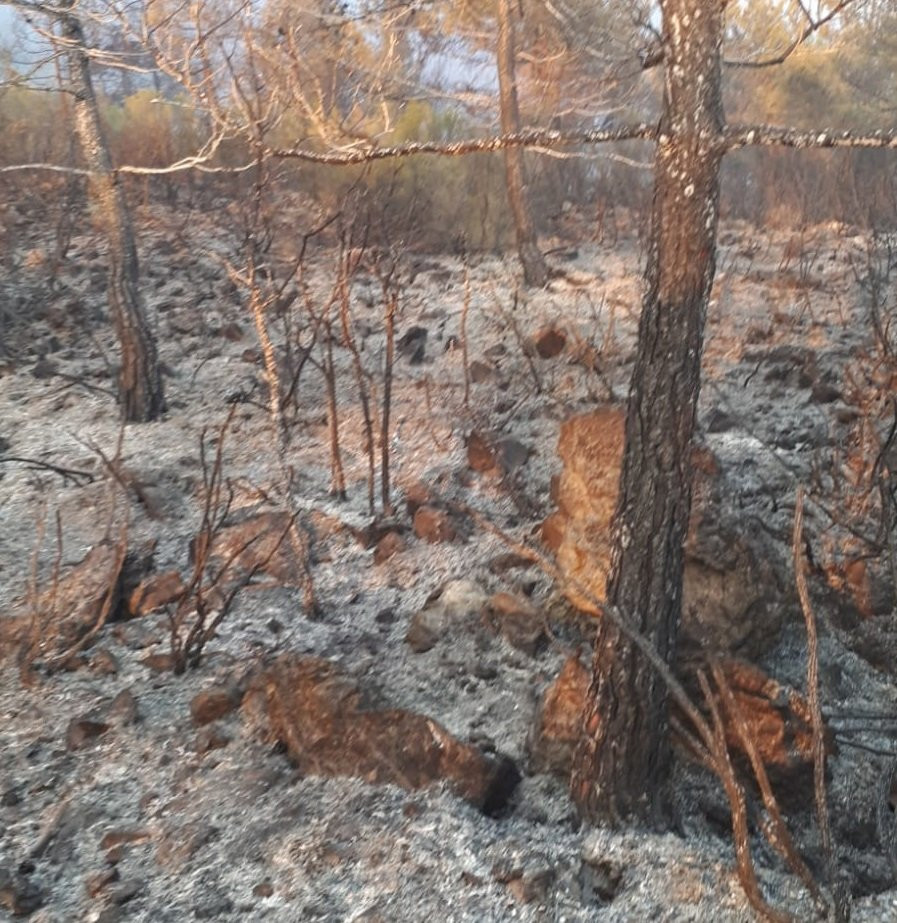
{"x": 731, "y": 599}
{"x": 777, "y": 718}
{"x": 330, "y": 726}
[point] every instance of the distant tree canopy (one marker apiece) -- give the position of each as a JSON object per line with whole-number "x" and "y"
{"x": 331, "y": 77}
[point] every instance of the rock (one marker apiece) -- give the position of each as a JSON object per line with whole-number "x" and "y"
{"x": 511, "y": 454}
{"x": 731, "y": 593}
{"x": 232, "y": 331}
{"x": 480, "y": 454}
{"x": 489, "y": 456}
{"x": 159, "y": 663}
{"x": 792, "y": 366}
{"x": 103, "y": 663}
{"x": 155, "y": 592}
{"x": 391, "y": 544}
{"x": 385, "y": 617}
{"x": 331, "y": 727}
{"x": 115, "y": 839}
{"x": 97, "y": 882}
{"x": 599, "y": 880}
{"x": 412, "y": 344}
{"x": 778, "y": 721}
{"x": 733, "y": 602}
{"x": 532, "y": 886}
{"x": 718, "y": 421}
{"x": 44, "y": 368}
{"x": 82, "y": 732}
{"x": 480, "y": 371}
{"x": 433, "y": 525}
{"x": 456, "y": 604}
{"x": 213, "y": 907}
{"x": 122, "y": 709}
{"x": 85, "y": 594}
{"x": 777, "y": 718}
{"x": 127, "y": 890}
{"x": 417, "y": 494}
{"x": 591, "y": 449}
{"x": 211, "y": 738}
{"x": 558, "y": 723}
{"x": 263, "y": 889}
{"x": 213, "y": 703}
{"x": 18, "y": 895}
{"x": 517, "y": 621}
{"x": 508, "y": 560}
{"x": 549, "y": 342}
{"x": 421, "y": 637}
{"x": 259, "y": 543}
{"x": 825, "y": 392}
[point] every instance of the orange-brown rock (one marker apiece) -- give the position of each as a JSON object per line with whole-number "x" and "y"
{"x": 155, "y": 592}
{"x": 777, "y": 718}
{"x": 330, "y": 727}
{"x": 260, "y": 543}
{"x": 433, "y": 525}
{"x": 549, "y": 342}
{"x": 591, "y": 449}
{"x": 391, "y": 544}
{"x": 495, "y": 456}
{"x": 85, "y": 593}
{"x": 559, "y": 720}
{"x": 516, "y": 620}
{"x": 212, "y": 704}
{"x": 726, "y": 586}
{"x": 480, "y": 453}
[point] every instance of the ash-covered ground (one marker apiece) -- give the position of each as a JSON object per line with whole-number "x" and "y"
{"x": 158, "y": 819}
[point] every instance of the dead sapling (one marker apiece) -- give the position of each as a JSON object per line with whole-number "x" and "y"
{"x": 465, "y": 356}
{"x": 509, "y": 316}
{"x": 348, "y": 262}
{"x": 213, "y": 586}
{"x": 326, "y": 365}
{"x": 386, "y": 273}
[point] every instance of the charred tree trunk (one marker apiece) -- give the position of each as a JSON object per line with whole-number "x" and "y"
{"x": 535, "y": 272}
{"x": 140, "y": 389}
{"x": 623, "y": 759}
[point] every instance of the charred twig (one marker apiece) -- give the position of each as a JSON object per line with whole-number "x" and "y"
{"x": 200, "y": 608}
{"x": 125, "y": 479}
{"x": 722, "y": 764}
{"x": 35, "y": 464}
{"x": 819, "y": 749}
{"x": 465, "y": 310}
{"x": 389, "y": 319}
{"x": 60, "y": 661}
{"x": 777, "y": 833}
{"x": 347, "y": 266}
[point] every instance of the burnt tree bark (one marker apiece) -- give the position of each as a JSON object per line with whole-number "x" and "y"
{"x": 622, "y": 762}
{"x": 140, "y": 391}
{"x": 535, "y": 272}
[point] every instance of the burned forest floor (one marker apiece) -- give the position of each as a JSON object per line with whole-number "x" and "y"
{"x": 381, "y": 758}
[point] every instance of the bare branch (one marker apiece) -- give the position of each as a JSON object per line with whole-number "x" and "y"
{"x": 813, "y": 26}
{"x": 736, "y": 136}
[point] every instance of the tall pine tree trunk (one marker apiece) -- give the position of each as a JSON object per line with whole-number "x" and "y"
{"x": 535, "y": 272}
{"x": 140, "y": 391}
{"x": 622, "y": 762}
